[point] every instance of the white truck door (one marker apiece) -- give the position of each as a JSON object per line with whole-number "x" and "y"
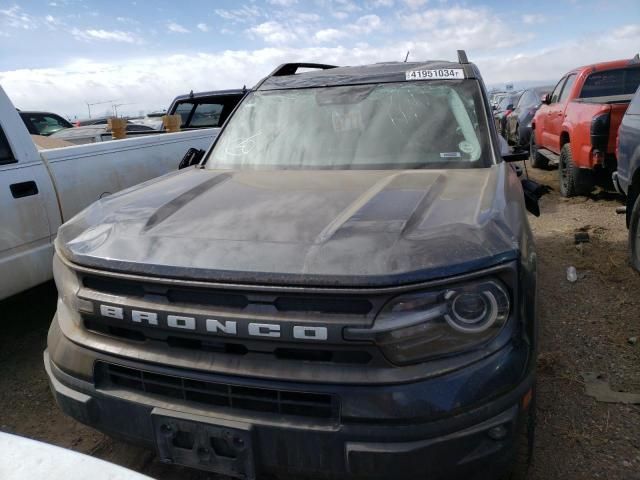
{"x": 25, "y": 234}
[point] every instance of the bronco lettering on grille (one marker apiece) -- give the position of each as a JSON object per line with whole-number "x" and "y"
{"x": 212, "y": 325}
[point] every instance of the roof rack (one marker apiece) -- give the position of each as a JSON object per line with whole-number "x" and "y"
{"x": 291, "y": 69}
{"x": 462, "y": 57}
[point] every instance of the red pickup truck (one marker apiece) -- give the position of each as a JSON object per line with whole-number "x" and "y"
{"x": 577, "y": 124}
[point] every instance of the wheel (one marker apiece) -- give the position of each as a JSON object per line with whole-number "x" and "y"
{"x": 536, "y": 159}
{"x": 573, "y": 180}
{"x": 525, "y": 439}
{"x": 634, "y": 235}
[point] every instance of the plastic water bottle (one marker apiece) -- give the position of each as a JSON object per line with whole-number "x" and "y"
{"x": 572, "y": 274}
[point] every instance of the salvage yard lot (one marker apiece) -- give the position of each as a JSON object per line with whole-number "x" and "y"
{"x": 586, "y": 326}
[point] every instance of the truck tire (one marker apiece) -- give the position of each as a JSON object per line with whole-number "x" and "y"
{"x": 634, "y": 235}
{"x": 536, "y": 159}
{"x": 525, "y": 439}
{"x": 573, "y": 180}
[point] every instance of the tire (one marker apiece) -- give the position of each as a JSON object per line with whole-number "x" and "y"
{"x": 634, "y": 235}
{"x": 536, "y": 159}
{"x": 574, "y": 181}
{"x": 525, "y": 439}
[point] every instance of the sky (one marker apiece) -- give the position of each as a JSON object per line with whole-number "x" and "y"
{"x": 59, "y": 55}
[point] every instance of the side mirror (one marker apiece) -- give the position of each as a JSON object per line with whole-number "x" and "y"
{"x": 531, "y": 203}
{"x": 533, "y": 191}
{"x": 517, "y": 156}
{"x": 192, "y": 157}
{"x": 546, "y": 98}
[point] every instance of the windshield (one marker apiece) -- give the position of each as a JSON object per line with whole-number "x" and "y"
{"x": 434, "y": 124}
{"x": 508, "y": 100}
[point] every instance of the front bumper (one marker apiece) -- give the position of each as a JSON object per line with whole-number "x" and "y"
{"x": 457, "y": 445}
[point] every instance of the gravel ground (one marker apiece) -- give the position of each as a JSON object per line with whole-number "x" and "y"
{"x": 586, "y": 327}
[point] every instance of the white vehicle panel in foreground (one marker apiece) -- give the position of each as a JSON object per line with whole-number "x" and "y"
{"x": 25, "y": 459}
{"x": 86, "y": 173}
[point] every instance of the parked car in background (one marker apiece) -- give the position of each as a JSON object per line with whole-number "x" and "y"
{"x": 503, "y": 110}
{"x": 40, "y": 189}
{"x": 518, "y": 129}
{"x": 495, "y": 97}
{"x": 577, "y": 124}
{"x": 98, "y": 132}
{"x": 206, "y": 109}
{"x": 43, "y": 123}
{"x": 627, "y": 177}
{"x": 91, "y": 121}
{"x": 152, "y": 119}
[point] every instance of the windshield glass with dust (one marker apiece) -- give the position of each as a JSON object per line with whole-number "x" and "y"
{"x": 434, "y": 124}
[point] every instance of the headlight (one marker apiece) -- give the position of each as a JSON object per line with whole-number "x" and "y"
{"x": 68, "y": 284}
{"x": 413, "y": 328}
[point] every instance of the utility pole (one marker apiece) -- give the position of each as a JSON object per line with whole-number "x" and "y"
{"x": 116, "y": 105}
{"x": 89, "y": 105}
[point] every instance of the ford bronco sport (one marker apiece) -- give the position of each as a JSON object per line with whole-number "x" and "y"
{"x": 343, "y": 287}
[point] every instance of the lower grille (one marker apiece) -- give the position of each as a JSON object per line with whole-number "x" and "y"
{"x": 215, "y": 393}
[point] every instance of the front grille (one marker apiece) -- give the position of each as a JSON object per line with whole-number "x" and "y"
{"x": 324, "y": 354}
{"x": 217, "y": 394}
{"x": 289, "y": 302}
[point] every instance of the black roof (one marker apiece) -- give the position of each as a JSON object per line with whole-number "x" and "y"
{"x": 375, "y": 73}
{"x": 214, "y": 93}
{"x": 37, "y": 112}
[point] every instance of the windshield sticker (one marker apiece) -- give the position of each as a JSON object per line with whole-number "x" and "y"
{"x": 466, "y": 147}
{"x": 450, "y": 155}
{"x": 439, "y": 74}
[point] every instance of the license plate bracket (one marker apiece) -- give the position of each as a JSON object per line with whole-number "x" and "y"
{"x": 213, "y": 444}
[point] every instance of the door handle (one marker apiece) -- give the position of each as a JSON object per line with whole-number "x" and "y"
{"x": 24, "y": 189}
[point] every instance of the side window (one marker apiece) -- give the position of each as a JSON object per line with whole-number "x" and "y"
{"x": 184, "y": 110}
{"x": 6, "y": 156}
{"x": 46, "y": 124}
{"x": 556, "y": 91}
{"x": 621, "y": 81}
{"x": 566, "y": 90}
{"x": 206, "y": 115}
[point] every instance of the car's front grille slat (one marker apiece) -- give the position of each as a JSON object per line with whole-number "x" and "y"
{"x": 355, "y": 305}
{"x": 240, "y": 397}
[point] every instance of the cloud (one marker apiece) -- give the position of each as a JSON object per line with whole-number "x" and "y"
{"x": 203, "y": 27}
{"x": 282, "y": 3}
{"x": 415, "y": 4}
{"x": 428, "y": 33}
{"x": 366, "y": 24}
{"x": 474, "y": 28}
{"x": 51, "y": 20}
{"x": 627, "y": 31}
{"x": 176, "y": 28}
{"x": 329, "y": 35}
{"x": 106, "y": 35}
{"x": 14, "y": 17}
{"x": 380, "y": 3}
{"x": 273, "y": 32}
{"x": 241, "y": 15}
{"x": 533, "y": 18}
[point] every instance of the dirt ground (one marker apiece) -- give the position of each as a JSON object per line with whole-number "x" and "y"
{"x": 586, "y": 326}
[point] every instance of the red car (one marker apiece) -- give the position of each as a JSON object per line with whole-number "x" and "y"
{"x": 577, "y": 125}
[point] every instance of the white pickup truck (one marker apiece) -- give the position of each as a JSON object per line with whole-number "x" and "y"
{"x": 40, "y": 190}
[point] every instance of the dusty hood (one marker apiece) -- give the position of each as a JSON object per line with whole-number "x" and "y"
{"x": 311, "y": 227}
